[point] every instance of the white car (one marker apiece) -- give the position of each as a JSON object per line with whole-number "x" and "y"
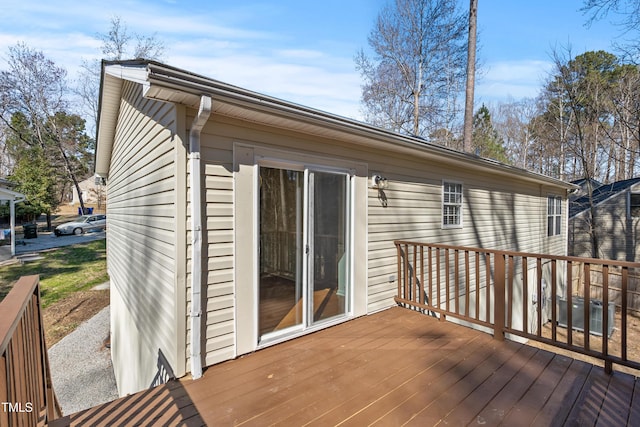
{"x": 83, "y": 224}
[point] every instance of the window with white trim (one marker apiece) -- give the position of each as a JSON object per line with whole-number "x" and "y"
{"x": 554, "y": 215}
{"x": 451, "y": 204}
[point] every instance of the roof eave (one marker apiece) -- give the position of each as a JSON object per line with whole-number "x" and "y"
{"x": 170, "y": 84}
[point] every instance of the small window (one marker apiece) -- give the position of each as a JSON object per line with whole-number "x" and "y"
{"x": 554, "y": 216}
{"x": 635, "y": 205}
{"x": 451, "y": 205}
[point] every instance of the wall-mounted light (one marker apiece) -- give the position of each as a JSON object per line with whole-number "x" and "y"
{"x": 379, "y": 182}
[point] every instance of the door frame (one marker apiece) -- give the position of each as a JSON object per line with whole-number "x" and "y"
{"x": 308, "y": 204}
{"x": 246, "y": 157}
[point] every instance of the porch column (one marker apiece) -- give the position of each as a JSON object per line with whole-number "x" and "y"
{"x": 12, "y": 226}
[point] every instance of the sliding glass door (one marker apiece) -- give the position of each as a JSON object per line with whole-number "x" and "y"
{"x": 304, "y": 248}
{"x": 280, "y": 276}
{"x": 328, "y": 256}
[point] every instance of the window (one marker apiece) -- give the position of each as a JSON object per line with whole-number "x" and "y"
{"x": 554, "y": 215}
{"x": 634, "y": 204}
{"x": 451, "y": 205}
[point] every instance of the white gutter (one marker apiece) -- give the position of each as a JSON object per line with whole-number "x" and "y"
{"x": 196, "y": 234}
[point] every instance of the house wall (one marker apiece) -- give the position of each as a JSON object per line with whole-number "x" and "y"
{"x": 147, "y": 310}
{"x": 498, "y": 213}
{"x": 616, "y": 230}
{"x": 217, "y": 253}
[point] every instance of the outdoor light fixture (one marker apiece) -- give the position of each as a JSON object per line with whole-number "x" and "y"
{"x": 379, "y": 182}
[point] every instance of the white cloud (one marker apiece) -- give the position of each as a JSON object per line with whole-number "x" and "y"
{"x": 331, "y": 89}
{"x": 219, "y": 43}
{"x": 66, "y": 50}
{"x": 300, "y": 54}
{"x": 512, "y": 79}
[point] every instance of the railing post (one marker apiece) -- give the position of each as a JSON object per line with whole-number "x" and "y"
{"x": 399, "y": 261}
{"x": 499, "y": 296}
{"x": 625, "y": 278}
{"x": 587, "y": 305}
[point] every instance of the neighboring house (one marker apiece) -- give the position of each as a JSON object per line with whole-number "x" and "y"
{"x": 11, "y": 197}
{"x": 616, "y": 208}
{"x": 237, "y": 220}
{"x": 92, "y": 192}
{"x": 584, "y": 186}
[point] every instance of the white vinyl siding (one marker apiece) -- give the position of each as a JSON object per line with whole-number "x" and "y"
{"x": 141, "y": 232}
{"x": 498, "y": 214}
{"x": 218, "y": 250}
{"x": 618, "y": 231}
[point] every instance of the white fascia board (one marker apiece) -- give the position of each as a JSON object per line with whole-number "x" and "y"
{"x": 135, "y": 73}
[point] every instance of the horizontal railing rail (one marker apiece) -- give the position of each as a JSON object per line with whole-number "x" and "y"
{"x": 546, "y": 298}
{"x": 26, "y": 392}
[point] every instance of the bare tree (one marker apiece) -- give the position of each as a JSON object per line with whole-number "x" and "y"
{"x": 471, "y": 76}
{"x": 625, "y": 133}
{"x": 624, "y": 13}
{"x": 117, "y": 44}
{"x": 116, "y": 40}
{"x": 514, "y": 121}
{"x": 34, "y": 108}
{"x": 419, "y": 51}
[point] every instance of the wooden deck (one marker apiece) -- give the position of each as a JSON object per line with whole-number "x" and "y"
{"x": 393, "y": 368}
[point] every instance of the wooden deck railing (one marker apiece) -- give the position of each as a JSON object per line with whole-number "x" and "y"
{"x": 26, "y": 393}
{"x": 534, "y": 296}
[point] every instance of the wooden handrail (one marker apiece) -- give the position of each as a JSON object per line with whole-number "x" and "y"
{"x": 26, "y": 391}
{"x": 497, "y": 289}
{"x": 596, "y": 261}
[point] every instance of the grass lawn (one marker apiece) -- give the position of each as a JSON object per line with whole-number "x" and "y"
{"x": 62, "y": 271}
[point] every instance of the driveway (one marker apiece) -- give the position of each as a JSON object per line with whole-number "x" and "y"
{"x": 47, "y": 240}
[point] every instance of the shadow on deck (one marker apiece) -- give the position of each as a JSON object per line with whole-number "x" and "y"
{"x": 168, "y": 404}
{"x": 395, "y": 367}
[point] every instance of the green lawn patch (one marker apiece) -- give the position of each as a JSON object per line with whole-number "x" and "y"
{"x": 62, "y": 271}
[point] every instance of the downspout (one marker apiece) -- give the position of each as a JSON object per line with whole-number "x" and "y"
{"x": 196, "y": 234}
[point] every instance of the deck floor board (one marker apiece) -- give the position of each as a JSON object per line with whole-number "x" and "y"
{"x": 396, "y": 367}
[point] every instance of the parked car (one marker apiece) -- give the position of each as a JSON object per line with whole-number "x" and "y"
{"x": 82, "y": 225}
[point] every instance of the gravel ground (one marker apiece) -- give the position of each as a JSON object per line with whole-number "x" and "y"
{"x": 81, "y": 368}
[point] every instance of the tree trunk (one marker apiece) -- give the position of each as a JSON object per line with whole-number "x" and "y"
{"x": 471, "y": 71}
{"x": 417, "y": 91}
{"x": 72, "y": 176}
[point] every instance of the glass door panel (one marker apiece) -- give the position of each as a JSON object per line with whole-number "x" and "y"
{"x": 328, "y": 257}
{"x": 280, "y": 275}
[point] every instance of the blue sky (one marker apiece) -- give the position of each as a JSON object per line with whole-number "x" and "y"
{"x": 297, "y": 50}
